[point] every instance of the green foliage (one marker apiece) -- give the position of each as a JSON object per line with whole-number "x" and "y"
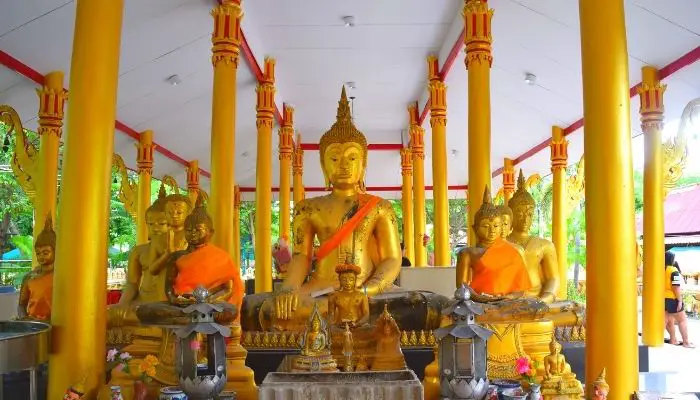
{"x": 25, "y": 245}
{"x": 573, "y": 293}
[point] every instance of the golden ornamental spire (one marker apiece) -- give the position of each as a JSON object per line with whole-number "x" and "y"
{"x": 47, "y": 237}
{"x": 344, "y": 113}
{"x": 487, "y": 209}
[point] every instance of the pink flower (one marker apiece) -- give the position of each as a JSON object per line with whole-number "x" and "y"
{"x": 195, "y": 345}
{"x": 522, "y": 365}
{"x": 111, "y": 355}
{"x": 119, "y": 367}
{"x": 125, "y": 356}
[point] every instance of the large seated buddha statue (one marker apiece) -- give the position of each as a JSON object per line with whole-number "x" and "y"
{"x": 345, "y": 221}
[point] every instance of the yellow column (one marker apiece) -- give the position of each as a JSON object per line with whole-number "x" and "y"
{"x": 263, "y": 180}
{"x": 237, "y": 225}
{"x": 52, "y": 98}
{"x": 610, "y": 228}
{"x": 477, "y": 38}
{"x": 651, "y": 96}
{"x": 417, "y": 149}
{"x": 286, "y": 145}
{"x": 508, "y": 180}
{"x": 226, "y": 40}
{"x": 406, "y": 204}
{"x": 78, "y": 315}
{"x": 144, "y": 162}
{"x": 560, "y": 155}
{"x": 192, "y": 171}
{"x": 437, "y": 91}
{"x": 298, "y": 171}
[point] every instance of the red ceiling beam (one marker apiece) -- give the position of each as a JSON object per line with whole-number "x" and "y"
{"x": 687, "y": 59}
{"x": 369, "y": 189}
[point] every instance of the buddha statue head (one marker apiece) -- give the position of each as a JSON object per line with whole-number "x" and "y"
{"x": 506, "y": 220}
{"x": 155, "y": 215}
{"x": 45, "y": 245}
{"x": 487, "y": 221}
{"x": 600, "y": 387}
{"x": 347, "y": 274}
{"x": 177, "y": 208}
{"x": 199, "y": 226}
{"x": 343, "y": 150}
{"x": 522, "y": 205}
{"x": 554, "y": 346}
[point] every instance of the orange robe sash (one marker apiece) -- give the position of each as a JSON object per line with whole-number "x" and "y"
{"x": 367, "y": 204}
{"x": 210, "y": 267}
{"x": 40, "y": 292}
{"x": 500, "y": 270}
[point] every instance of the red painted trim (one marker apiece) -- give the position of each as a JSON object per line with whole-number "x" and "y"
{"x": 687, "y": 59}
{"x": 369, "y": 189}
{"x": 371, "y": 146}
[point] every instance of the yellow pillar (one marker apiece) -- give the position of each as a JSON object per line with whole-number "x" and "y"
{"x": 437, "y": 91}
{"x": 477, "y": 38}
{"x": 237, "y": 225}
{"x": 144, "y": 162}
{"x": 263, "y": 180}
{"x": 226, "y": 40}
{"x": 610, "y": 227}
{"x": 298, "y": 171}
{"x": 52, "y": 98}
{"x": 78, "y": 315}
{"x": 286, "y": 145}
{"x": 193, "y": 188}
{"x": 508, "y": 180}
{"x": 418, "y": 151}
{"x": 406, "y": 203}
{"x": 559, "y": 156}
{"x": 651, "y": 96}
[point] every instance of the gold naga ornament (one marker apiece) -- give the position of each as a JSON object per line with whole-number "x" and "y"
{"x": 128, "y": 189}
{"x": 24, "y": 158}
{"x": 675, "y": 149}
{"x": 534, "y": 180}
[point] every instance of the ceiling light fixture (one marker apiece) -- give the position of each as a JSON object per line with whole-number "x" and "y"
{"x": 530, "y": 79}
{"x": 349, "y": 21}
{"x": 174, "y": 80}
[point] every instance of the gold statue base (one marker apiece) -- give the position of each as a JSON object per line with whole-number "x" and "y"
{"x": 320, "y": 363}
{"x": 562, "y": 388}
{"x": 512, "y": 340}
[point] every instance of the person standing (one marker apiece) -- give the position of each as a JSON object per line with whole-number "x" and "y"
{"x": 675, "y": 314}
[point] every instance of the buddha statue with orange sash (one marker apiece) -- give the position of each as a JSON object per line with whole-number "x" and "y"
{"x": 347, "y": 220}
{"x": 494, "y": 266}
{"x": 37, "y": 286}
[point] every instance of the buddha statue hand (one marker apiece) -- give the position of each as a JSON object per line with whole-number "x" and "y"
{"x": 286, "y": 302}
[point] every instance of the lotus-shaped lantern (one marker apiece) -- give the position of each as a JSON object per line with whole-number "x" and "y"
{"x": 474, "y": 389}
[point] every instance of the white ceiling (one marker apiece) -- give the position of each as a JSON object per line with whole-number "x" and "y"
{"x": 384, "y": 54}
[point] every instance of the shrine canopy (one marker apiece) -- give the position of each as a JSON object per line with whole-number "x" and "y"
{"x": 165, "y": 79}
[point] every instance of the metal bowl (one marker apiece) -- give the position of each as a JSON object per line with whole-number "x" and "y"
{"x": 23, "y": 345}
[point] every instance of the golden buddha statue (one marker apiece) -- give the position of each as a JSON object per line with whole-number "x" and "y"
{"x": 37, "y": 286}
{"x": 506, "y": 221}
{"x": 388, "y": 355}
{"x": 348, "y": 348}
{"x": 345, "y": 220}
{"x": 559, "y": 381}
{"x": 540, "y": 254}
{"x": 494, "y": 266}
{"x": 348, "y": 305}
{"x": 600, "y": 387}
{"x": 316, "y": 347}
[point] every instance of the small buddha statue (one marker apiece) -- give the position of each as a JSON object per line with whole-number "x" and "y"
{"x": 37, "y": 286}
{"x": 558, "y": 379}
{"x": 494, "y": 266}
{"x": 600, "y": 387}
{"x": 555, "y": 365}
{"x": 348, "y": 347}
{"x": 348, "y": 305}
{"x": 316, "y": 347}
{"x": 388, "y": 355}
{"x": 540, "y": 254}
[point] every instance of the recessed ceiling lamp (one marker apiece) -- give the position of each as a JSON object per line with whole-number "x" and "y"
{"x": 349, "y": 21}
{"x": 530, "y": 79}
{"x": 351, "y": 85}
{"x": 174, "y": 80}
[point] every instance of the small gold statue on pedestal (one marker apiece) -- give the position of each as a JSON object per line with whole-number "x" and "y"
{"x": 316, "y": 351}
{"x": 348, "y": 348}
{"x": 388, "y": 355}
{"x": 349, "y": 305}
{"x": 559, "y": 382}
{"x": 37, "y": 286}
{"x": 600, "y": 387}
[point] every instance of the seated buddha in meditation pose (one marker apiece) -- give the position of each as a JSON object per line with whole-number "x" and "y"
{"x": 345, "y": 220}
{"x": 495, "y": 266}
{"x": 348, "y": 305}
{"x": 316, "y": 347}
{"x": 558, "y": 378}
{"x": 388, "y": 355}
{"x": 540, "y": 254}
{"x": 37, "y": 285}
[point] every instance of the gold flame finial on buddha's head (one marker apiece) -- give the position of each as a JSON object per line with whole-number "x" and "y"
{"x": 343, "y": 130}
{"x": 487, "y": 209}
{"x": 159, "y": 204}
{"x": 600, "y": 382}
{"x": 47, "y": 236}
{"x": 521, "y": 196}
{"x": 199, "y": 214}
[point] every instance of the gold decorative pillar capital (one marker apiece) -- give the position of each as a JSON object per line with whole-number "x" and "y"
{"x": 508, "y": 179}
{"x": 265, "y": 105}
{"x": 437, "y": 94}
{"x": 286, "y": 134}
{"x": 226, "y": 39}
{"x": 477, "y": 32}
{"x": 144, "y": 152}
{"x": 52, "y": 100}
{"x": 298, "y": 170}
{"x": 406, "y": 162}
{"x": 417, "y": 134}
{"x": 192, "y": 175}
{"x": 651, "y": 100}
{"x": 559, "y": 149}
{"x": 286, "y": 147}
{"x": 406, "y": 203}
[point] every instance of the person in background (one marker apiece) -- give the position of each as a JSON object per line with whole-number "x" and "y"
{"x": 675, "y": 314}
{"x": 405, "y": 262}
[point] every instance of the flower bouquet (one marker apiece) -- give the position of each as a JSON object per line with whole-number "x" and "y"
{"x": 147, "y": 371}
{"x": 527, "y": 368}
{"x": 118, "y": 360}
{"x": 281, "y": 254}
